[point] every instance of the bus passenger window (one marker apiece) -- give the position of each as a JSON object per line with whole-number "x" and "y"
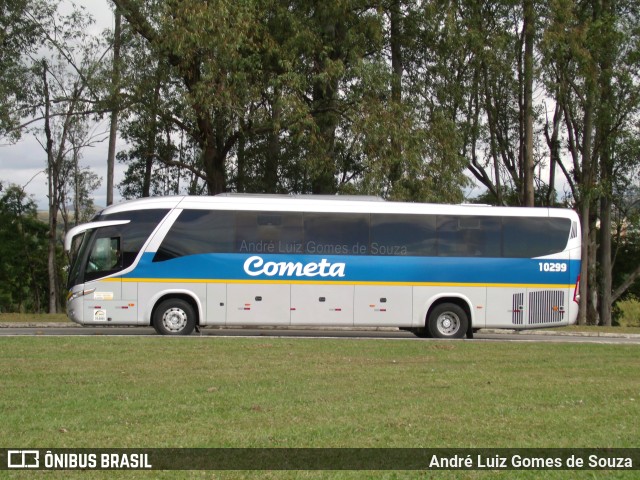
{"x": 268, "y": 232}
{"x": 411, "y": 235}
{"x": 336, "y": 233}
{"x": 530, "y": 237}
{"x": 196, "y": 232}
{"x": 469, "y": 236}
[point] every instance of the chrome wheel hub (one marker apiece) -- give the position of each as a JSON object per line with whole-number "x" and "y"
{"x": 448, "y": 323}
{"x": 174, "y": 319}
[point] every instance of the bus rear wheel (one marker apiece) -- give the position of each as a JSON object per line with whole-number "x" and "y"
{"x": 448, "y": 320}
{"x": 174, "y": 317}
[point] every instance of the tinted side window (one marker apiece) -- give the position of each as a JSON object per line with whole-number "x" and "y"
{"x": 269, "y": 232}
{"x": 198, "y": 231}
{"x": 403, "y": 235}
{"x": 336, "y": 233}
{"x": 135, "y": 233}
{"x": 535, "y": 237}
{"x": 467, "y": 236}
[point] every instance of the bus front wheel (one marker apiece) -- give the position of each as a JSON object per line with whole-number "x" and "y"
{"x": 448, "y": 320}
{"x": 174, "y": 317}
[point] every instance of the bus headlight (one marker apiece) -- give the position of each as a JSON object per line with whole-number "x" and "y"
{"x": 80, "y": 293}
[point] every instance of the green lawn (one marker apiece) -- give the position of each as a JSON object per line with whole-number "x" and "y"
{"x": 227, "y": 392}
{"x": 32, "y": 317}
{"x": 594, "y": 329}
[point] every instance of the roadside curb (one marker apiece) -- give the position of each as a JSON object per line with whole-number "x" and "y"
{"x": 37, "y": 324}
{"x": 559, "y": 333}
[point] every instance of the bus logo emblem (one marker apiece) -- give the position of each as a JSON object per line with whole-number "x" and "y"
{"x": 255, "y": 266}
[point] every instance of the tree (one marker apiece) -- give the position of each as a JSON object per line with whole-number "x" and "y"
{"x": 590, "y": 54}
{"x": 115, "y": 98}
{"x": 23, "y": 246}
{"x": 20, "y": 35}
{"x": 203, "y": 51}
{"x": 65, "y": 74}
{"x": 473, "y": 66}
{"x": 626, "y": 241}
{"x": 76, "y": 202}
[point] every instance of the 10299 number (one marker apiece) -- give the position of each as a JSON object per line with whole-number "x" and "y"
{"x": 552, "y": 266}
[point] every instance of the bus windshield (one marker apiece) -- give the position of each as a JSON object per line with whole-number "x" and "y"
{"x": 79, "y": 247}
{"x": 110, "y": 244}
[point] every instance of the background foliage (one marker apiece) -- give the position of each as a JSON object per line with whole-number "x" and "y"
{"x": 535, "y": 102}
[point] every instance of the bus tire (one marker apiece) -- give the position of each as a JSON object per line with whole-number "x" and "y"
{"x": 174, "y": 316}
{"x": 448, "y": 320}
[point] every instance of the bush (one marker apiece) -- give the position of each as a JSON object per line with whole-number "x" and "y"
{"x": 628, "y": 312}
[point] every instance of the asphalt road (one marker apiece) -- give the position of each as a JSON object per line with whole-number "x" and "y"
{"x": 387, "y": 334}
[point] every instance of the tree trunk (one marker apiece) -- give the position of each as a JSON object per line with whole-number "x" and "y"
{"x": 151, "y": 142}
{"x": 325, "y": 101}
{"x": 604, "y": 135}
{"x": 584, "y": 270}
{"x": 113, "y": 128}
{"x": 605, "y": 260}
{"x": 214, "y": 164}
{"x": 52, "y": 173}
{"x": 528, "y": 164}
{"x": 396, "y": 52}
{"x": 587, "y": 273}
{"x": 553, "y": 143}
{"x": 273, "y": 146}
{"x": 593, "y": 313}
{"x": 628, "y": 281}
{"x": 395, "y": 40}
{"x": 241, "y": 158}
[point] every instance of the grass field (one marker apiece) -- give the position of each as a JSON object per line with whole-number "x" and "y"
{"x": 102, "y": 392}
{"x": 32, "y": 317}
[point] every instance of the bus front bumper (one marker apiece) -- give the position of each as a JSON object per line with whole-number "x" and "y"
{"x": 74, "y": 304}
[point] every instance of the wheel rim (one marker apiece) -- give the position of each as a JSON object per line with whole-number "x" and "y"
{"x": 448, "y": 323}
{"x": 174, "y": 319}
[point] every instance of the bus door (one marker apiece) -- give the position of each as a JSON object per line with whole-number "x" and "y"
{"x": 106, "y": 304}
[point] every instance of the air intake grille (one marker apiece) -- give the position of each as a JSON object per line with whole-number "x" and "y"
{"x": 517, "y": 315}
{"x": 546, "y": 307}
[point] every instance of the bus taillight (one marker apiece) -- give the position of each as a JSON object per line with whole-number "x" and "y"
{"x": 576, "y": 292}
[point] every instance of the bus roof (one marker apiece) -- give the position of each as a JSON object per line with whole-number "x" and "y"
{"x": 325, "y": 203}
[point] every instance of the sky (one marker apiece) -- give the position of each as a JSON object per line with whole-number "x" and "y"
{"x": 24, "y": 162}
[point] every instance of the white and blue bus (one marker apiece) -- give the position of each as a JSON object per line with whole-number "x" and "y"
{"x": 444, "y": 271}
